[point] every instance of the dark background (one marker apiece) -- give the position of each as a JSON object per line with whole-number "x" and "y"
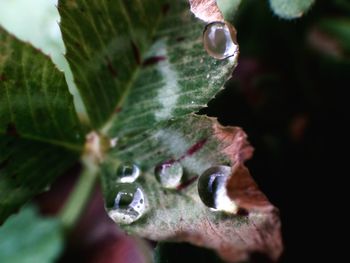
{"x": 290, "y": 96}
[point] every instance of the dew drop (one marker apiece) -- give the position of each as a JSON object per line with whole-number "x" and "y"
{"x": 219, "y": 40}
{"x": 113, "y": 142}
{"x": 212, "y": 189}
{"x": 128, "y": 204}
{"x": 128, "y": 173}
{"x": 169, "y": 174}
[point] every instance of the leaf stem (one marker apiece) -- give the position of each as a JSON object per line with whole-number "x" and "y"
{"x": 78, "y": 199}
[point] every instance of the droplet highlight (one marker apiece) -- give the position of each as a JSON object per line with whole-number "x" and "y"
{"x": 212, "y": 189}
{"x": 169, "y": 174}
{"x": 219, "y": 39}
{"x": 128, "y": 173}
{"x": 129, "y": 204}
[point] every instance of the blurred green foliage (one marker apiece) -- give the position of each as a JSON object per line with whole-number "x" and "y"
{"x": 28, "y": 238}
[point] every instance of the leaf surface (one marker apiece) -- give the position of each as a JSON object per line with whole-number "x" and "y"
{"x": 40, "y": 136}
{"x": 26, "y": 237}
{"x": 142, "y": 62}
{"x": 228, "y": 8}
{"x": 197, "y": 143}
{"x": 141, "y": 82}
{"x": 291, "y": 9}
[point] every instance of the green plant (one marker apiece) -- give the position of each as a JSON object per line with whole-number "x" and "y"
{"x": 141, "y": 73}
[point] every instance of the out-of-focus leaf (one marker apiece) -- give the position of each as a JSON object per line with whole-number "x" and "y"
{"x": 339, "y": 28}
{"x": 290, "y": 9}
{"x": 28, "y": 238}
{"x": 228, "y": 8}
{"x": 40, "y": 136}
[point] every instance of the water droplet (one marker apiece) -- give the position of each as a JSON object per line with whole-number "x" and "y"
{"x": 128, "y": 173}
{"x": 212, "y": 189}
{"x": 128, "y": 205}
{"x": 169, "y": 174}
{"x": 219, "y": 40}
{"x": 113, "y": 142}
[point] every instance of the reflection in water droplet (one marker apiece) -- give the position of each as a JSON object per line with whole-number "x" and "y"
{"x": 219, "y": 40}
{"x": 212, "y": 189}
{"x": 128, "y": 173}
{"x": 169, "y": 174}
{"x": 113, "y": 142}
{"x": 129, "y": 204}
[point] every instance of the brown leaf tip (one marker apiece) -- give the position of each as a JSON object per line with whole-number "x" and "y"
{"x": 206, "y": 10}
{"x": 243, "y": 190}
{"x": 237, "y": 147}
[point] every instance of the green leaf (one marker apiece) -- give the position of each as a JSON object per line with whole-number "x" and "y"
{"x": 142, "y": 72}
{"x": 101, "y": 37}
{"x": 138, "y": 61}
{"x": 290, "y": 9}
{"x": 197, "y": 143}
{"x": 29, "y": 238}
{"x": 40, "y": 136}
{"x": 228, "y": 8}
{"x": 37, "y": 22}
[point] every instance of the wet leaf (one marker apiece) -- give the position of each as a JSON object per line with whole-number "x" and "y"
{"x": 145, "y": 105}
{"x": 197, "y": 143}
{"x": 291, "y": 9}
{"x": 39, "y": 131}
{"x": 139, "y": 72}
{"x": 27, "y": 237}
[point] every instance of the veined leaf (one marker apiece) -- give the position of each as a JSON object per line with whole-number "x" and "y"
{"x": 40, "y": 135}
{"x": 197, "y": 143}
{"x": 142, "y": 71}
{"x": 101, "y": 37}
{"x": 143, "y": 60}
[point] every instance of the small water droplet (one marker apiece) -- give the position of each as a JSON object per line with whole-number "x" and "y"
{"x": 113, "y": 142}
{"x": 169, "y": 174}
{"x": 212, "y": 189}
{"x": 219, "y": 40}
{"x": 208, "y": 76}
{"x": 127, "y": 207}
{"x": 128, "y": 173}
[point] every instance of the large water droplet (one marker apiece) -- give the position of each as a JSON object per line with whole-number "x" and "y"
{"x": 212, "y": 189}
{"x": 129, "y": 204}
{"x": 128, "y": 173}
{"x": 169, "y": 174}
{"x": 219, "y": 40}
